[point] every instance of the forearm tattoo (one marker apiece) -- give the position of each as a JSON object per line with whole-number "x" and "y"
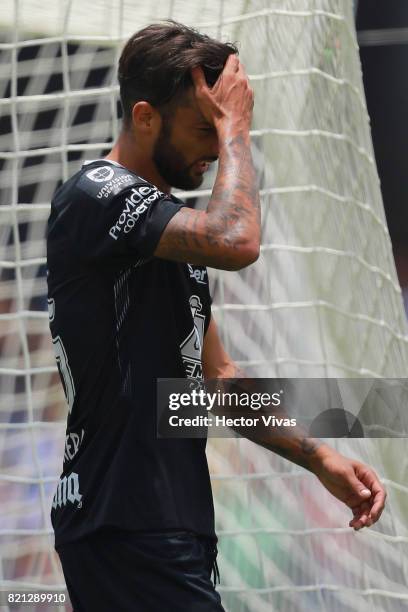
{"x": 213, "y": 237}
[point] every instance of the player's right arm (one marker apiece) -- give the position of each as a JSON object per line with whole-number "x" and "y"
{"x": 227, "y": 234}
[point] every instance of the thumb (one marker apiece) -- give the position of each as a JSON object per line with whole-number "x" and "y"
{"x": 360, "y": 488}
{"x": 366, "y": 493}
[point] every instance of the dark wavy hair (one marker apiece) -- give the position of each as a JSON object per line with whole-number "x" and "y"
{"x": 155, "y": 64}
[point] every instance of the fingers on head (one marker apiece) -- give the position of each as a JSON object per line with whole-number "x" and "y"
{"x": 232, "y": 64}
{"x": 197, "y": 74}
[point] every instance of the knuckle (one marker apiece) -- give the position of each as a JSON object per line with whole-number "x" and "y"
{"x": 365, "y": 472}
{"x": 344, "y": 472}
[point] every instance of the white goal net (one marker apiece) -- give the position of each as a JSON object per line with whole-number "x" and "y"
{"x": 323, "y": 299}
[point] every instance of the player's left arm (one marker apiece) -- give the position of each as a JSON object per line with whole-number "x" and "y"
{"x": 352, "y": 482}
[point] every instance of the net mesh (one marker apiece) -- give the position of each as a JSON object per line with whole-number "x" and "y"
{"x": 322, "y": 300}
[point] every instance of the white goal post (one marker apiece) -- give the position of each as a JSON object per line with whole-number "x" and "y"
{"x": 323, "y": 300}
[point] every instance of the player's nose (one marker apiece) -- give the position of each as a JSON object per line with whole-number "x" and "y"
{"x": 214, "y": 150}
{"x": 214, "y": 153}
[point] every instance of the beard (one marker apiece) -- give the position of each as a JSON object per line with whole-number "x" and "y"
{"x": 171, "y": 164}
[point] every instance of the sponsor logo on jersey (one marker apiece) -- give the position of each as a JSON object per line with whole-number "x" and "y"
{"x": 197, "y": 275}
{"x": 191, "y": 347}
{"x": 72, "y": 443}
{"x": 67, "y": 491}
{"x": 136, "y": 203}
{"x": 101, "y": 174}
{"x": 115, "y": 185}
{"x": 105, "y": 182}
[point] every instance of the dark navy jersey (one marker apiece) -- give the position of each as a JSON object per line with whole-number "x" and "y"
{"x": 120, "y": 318}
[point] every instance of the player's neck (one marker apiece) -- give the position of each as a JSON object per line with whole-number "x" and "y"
{"x": 125, "y": 153}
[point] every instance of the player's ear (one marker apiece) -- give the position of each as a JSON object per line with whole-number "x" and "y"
{"x": 145, "y": 118}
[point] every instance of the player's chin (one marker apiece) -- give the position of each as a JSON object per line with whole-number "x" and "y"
{"x": 197, "y": 180}
{"x": 187, "y": 182}
{"x": 193, "y": 181}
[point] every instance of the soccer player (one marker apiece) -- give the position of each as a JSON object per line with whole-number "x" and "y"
{"x": 129, "y": 303}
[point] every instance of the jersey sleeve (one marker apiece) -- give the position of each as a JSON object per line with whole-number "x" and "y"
{"x": 122, "y": 217}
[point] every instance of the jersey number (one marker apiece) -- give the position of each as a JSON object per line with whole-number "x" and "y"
{"x": 62, "y": 361}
